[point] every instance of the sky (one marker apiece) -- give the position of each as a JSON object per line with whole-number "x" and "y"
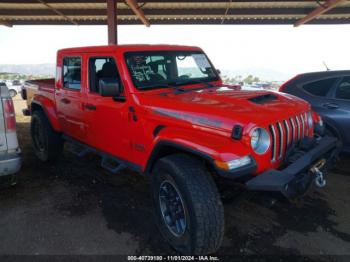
{"x": 281, "y": 48}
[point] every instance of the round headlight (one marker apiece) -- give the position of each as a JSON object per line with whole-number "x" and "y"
{"x": 260, "y": 141}
{"x": 310, "y": 121}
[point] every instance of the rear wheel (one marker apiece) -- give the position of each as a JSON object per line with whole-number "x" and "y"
{"x": 188, "y": 209}
{"x": 47, "y": 142}
{"x": 12, "y": 93}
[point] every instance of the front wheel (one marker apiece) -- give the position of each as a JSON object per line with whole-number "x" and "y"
{"x": 188, "y": 209}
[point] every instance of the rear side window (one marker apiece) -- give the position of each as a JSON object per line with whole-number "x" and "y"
{"x": 72, "y": 73}
{"x": 343, "y": 90}
{"x": 321, "y": 87}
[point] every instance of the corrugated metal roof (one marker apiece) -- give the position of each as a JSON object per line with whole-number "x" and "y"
{"x": 18, "y": 12}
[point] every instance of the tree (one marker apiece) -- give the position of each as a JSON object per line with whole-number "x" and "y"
{"x": 256, "y": 79}
{"x": 249, "y": 79}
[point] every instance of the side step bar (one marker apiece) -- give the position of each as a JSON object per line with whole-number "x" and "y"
{"x": 78, "y": 150}
{"x": 112, "y": 165}
{"x": 108, "y": 162}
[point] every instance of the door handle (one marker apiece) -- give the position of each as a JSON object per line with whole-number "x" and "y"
{"x": 65, "y": 101}
{"x": 90, "y": 107}
{"x": 331, "y": 105}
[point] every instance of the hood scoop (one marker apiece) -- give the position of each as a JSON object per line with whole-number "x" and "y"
{"x": 262, "y": 99}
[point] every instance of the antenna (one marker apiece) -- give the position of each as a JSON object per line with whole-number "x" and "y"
{"x": 324, "y": 63}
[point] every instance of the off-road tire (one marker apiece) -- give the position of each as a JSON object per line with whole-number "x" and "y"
{"x": 202, "y": 204}
{"x": 52, "y": 143}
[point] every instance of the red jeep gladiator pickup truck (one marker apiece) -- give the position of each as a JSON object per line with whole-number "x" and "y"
{"x": 163, "y": 111}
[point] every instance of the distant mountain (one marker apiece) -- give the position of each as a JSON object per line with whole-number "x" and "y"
{"x": 29, "y": 69}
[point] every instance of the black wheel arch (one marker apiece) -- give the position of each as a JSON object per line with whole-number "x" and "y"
{"x": 333, "y": 129}
{"x": 36, "y": 106}
{"x": 165, "y": 148}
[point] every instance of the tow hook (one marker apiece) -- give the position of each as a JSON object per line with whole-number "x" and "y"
{"x": 320, "y": 181}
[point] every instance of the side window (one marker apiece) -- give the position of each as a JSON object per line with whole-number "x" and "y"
{"x": 343, "y": 90}
{"x": 321, "y": 87}
{"x": 72, "y": 73}
{"x": 99, "y": 68}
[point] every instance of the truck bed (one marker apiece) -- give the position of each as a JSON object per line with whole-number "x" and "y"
{"x": 47, "y": 86}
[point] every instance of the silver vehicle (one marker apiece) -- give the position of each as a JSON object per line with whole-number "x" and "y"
{"x": 10, "y": 158}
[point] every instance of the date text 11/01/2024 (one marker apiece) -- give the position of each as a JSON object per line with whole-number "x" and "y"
{"x": 173, "y": 258}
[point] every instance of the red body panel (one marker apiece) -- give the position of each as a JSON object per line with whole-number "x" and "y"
{"x": 45, "y": 97}
{"x": 200, "y": 120}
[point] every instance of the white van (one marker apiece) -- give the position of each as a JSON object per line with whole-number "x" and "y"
{"x": 10, "y": 154}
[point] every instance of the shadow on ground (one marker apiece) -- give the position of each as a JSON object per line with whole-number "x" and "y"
{"x": 75, "y": 193}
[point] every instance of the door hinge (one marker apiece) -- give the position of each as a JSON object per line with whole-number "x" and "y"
{"x": 133, "y": 113}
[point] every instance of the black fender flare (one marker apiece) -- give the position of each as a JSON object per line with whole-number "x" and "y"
{"x": 164, "y": 148}
{"x": 332, "y": 127}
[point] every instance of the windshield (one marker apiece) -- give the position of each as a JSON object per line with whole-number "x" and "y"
{"x": 156, "y": 69}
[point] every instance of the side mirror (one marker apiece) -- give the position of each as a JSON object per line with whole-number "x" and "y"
{"x": 109, "y": 87}
{"x": 218, "y": 71}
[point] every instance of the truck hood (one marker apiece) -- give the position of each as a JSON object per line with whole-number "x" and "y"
{"x": 222, "y": 107}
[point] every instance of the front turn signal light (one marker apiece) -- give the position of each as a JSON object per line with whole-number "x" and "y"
{"x": 234, "y": 164}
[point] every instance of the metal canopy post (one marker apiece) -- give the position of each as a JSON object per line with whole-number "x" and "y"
{"x": 112, "y": 22}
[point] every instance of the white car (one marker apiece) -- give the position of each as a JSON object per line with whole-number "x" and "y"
{"x": 14, "y": 87}
{"x": 10, "y": 154}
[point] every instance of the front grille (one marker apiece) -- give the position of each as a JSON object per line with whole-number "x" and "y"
{"x": 287, "y": 132}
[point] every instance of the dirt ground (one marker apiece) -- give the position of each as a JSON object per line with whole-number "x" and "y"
{"x": 75, "y": 207}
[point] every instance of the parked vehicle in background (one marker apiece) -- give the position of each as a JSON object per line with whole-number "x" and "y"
{"x": 10, "y": 159}
{"x": 14, "y": 87}
{"x": 30, "y": 88}
{"x": 251, "y": 87}
{"x": 266, "y": 86}
{"x": 164, "y": 112}
{"x": 328, "y": 93}
{"x": 3, "y": 84}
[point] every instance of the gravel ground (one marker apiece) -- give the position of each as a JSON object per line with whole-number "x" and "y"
{"x": 75, "y": 207}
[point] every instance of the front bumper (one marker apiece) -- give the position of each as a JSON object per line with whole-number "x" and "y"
{"x": 295, "y": 180}
{"x": 10, "y": 164}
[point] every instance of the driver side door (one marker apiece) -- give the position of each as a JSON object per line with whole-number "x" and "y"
{"x": 107, "y": 118}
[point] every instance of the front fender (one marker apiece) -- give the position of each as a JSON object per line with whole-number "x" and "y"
{"x": 205, "y": 145}
{"x": 49, "y": 108}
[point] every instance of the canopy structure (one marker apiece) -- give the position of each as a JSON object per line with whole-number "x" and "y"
{"x": 155, "y": 12}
